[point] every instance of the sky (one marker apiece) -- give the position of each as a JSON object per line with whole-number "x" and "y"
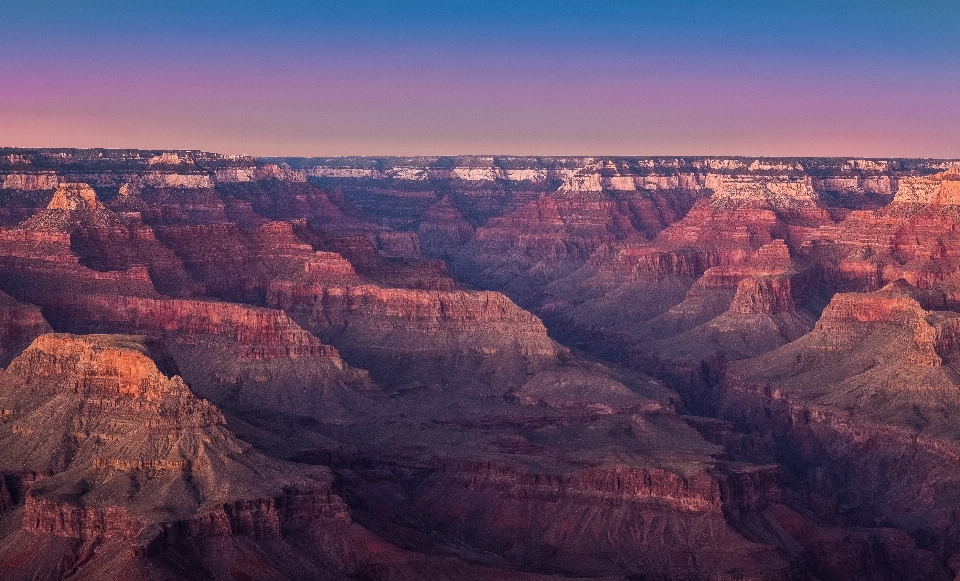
{"x": 280, "y": 78}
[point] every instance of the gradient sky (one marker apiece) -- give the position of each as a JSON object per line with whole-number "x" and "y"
{"x": 699, "y": 77}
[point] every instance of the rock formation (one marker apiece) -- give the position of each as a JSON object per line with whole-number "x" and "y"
{"x": 123, "y": 471}
{"x": 477, "y": 367}
{"x": 118, "y": 452}
{"x": 69, "y": 196}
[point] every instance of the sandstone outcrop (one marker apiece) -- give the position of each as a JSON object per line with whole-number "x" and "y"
{"x": 940, "y": 189}
{"x": 76, "y": 243}
{"x": 47, "y": 180}
{"x": 792, "y": 197}
{"x": 239, "y": 356}
{"x": 374, "y": 264}
{"x": 71, "y": 196}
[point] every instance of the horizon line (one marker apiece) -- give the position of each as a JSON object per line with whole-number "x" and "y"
{"x": 475, "y": 155}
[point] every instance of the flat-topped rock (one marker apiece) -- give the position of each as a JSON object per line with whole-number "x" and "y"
{"x": 938, "y": 189}
{"x": 74, "y": 196}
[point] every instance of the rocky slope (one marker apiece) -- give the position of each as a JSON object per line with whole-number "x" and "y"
{"x": 120, "y": 470}
{"x": 125, "y": 463}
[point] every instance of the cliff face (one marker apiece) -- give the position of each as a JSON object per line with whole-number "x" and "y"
{"x": 31, "y": 181}
{"x": 107, "y": 241}
{"x": 20, "y": 324}
{"x": 554, "y": 234}
{"x": 77, "y": 244}
{"x": 717, "y": 284}
{"x": 551, "y": 518}
{"x": 795, "y": 198}
{"x": 939, "y": 189}
{"x": 745, "y": 267}
{"x": 71, "y": 196}
{"x": 428, "y": 337}
{"x": 241, "y": 357}
{"x": 913, "y": 238}
{"x": 234, "y": 264}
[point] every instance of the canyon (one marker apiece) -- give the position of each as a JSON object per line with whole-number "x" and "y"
{"x": 693, "y": 368}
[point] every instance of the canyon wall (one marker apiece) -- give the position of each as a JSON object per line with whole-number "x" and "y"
{"x": 716, "y": 368}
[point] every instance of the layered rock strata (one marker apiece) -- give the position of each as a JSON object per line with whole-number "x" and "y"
{"x": 453, "y": 424}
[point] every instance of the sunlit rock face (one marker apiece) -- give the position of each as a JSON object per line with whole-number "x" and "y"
{"x": 74, "y": 196}
{"x": 477, "y": 367}
{"x": 940, "y": 189}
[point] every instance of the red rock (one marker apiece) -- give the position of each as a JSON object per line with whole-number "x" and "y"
{"x": 373, "y": 265}
{"x": 551, "y": 520}
{"x": 457, "y": 331}
{"x": 20, "y": 324}
{"x": 151, "y": 457}
{"x": 398, "y": 244}
{"x": 284, "y": 200}
{"x": 867, "y": 388}
{"x": 41, "y": 259}
{"x": 767, "y": 295}
{"x": 256, "y": 333}
{"x": 497, "y": 446}
{"x": 47, "y": 250}
{"x": 240, "y": 356}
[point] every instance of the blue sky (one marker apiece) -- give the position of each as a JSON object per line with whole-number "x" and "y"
{"x": 630, "y": 78}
